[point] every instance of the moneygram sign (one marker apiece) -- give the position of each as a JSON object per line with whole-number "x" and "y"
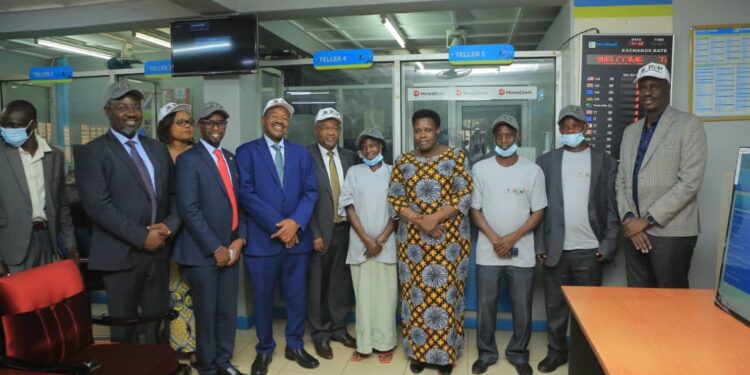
{"x": 473, "y": 93}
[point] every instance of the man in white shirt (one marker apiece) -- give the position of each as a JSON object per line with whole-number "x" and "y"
{"x": 580, "y": 227}
{"x": 330, "y": 282}
{"x": 506, "y": 205}
{"x": 34, "y": 209}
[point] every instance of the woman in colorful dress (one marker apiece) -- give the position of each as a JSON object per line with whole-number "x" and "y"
{"x": 431, "y": 191}
{"x": 372, "y": 248}
{"x": 175, "y": 130}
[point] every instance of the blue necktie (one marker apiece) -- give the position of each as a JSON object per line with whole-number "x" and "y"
{"x": 143, "y": 172}
{"x": 278, "y": 160}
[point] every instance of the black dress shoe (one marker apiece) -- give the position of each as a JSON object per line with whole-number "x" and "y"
{"x": 524, "y": 369}
{"x": 416, "y": 367}
{"x": 231, "y": 370}
{"x": 549, "y": 364}
{"x": 479, "y": 367}
{"x": 346, "y": 340}
{"x": 301, "y": 357}
{"x": 260, "y": 365}
{"x": 323, "y": 350}
{"x": 445, "y": 369}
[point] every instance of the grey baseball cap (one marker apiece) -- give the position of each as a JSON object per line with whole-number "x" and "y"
{"x": 119, "y": 89}
{"x": 370, "y": 133}
{"x": 505, "y": 119}
{"x": 210, "y": 108}
{"x": 574, "y": 111}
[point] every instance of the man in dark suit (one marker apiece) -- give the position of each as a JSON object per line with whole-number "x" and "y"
{"x": 125, "y": 184}
{"x": 209, "y": 246}
{"x": 580, "y": 227}
{"x": 330, "y": 282}
{"x": 278, "y": 194}
{"x": 34, "y": 209}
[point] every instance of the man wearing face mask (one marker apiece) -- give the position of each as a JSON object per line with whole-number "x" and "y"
{"x": 125, "y": 183}
{"x": 507, "y": 204}
{"x": 580, "y": 227}
{"x": 330, "y": 281}
{"x": 34, "y": 209}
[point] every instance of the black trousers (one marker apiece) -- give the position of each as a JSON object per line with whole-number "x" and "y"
{"x": 576, "y": 267}
{"x": 666, "y": 266}
{"x": 146, "y": 286}
{"x": 329, "y": 294}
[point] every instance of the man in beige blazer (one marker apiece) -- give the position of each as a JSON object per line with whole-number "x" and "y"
{"x": 662, "y": 160}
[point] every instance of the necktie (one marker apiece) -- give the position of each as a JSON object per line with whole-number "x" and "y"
{"x": 335, "y": 187}
{"x": 145, "y": 177}
{"x": 278, "y": 159}
{"x": 224, "y": 173}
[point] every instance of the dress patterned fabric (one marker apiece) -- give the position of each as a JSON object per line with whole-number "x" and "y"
{"x": 432, "y": 271}
{"x": 182, "y": 329}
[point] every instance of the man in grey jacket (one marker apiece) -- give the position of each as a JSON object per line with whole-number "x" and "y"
{"x": 580, "y": 227}
{"x": 34, "y": 209}
{"x": 662, "y": 161}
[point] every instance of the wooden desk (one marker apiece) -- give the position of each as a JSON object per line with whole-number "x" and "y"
{"x": 634, "y": 331}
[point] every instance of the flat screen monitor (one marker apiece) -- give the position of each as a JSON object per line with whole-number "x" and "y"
{"x": 733, "y": 293}
{"x": 215, "y": 45}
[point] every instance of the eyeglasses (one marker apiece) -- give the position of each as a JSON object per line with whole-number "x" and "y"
{"x": 126, "y": 107}
{"x": 15, "y": 125}
{"x": 184, "y": 123}
{"x": 212, "y": 123}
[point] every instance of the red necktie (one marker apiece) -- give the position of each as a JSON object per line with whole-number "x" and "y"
{"x": 224, "y": 172}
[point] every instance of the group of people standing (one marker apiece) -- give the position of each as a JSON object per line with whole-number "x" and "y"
{"x": 321, "y": 223}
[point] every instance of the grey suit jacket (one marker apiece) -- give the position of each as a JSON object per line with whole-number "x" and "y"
{"x": 15, "y": 204}
{"x": 322, "y": 219}
{"x": 602, "y": 206}
{"x": 671, "y": 173}
{"x": 116, "y": 200}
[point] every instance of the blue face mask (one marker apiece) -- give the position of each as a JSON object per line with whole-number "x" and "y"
{"x": 506, "y": 153}
{"x": 373, "y": 162}
{"x": 572, "y": 140}
{"x": 15, "y": 137}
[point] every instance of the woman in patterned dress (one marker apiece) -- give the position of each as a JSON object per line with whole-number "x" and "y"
{"x": 175, "y": 130}
{"x": 431, "y": 191}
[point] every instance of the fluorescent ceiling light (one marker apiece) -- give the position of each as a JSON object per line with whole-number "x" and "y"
{"x": 420, "y": 65}
{"x": 308, "y": 92}
{"x": 153, "y": 40}
{"x": 69, "y": 48}
{"x": 394, "y": 33}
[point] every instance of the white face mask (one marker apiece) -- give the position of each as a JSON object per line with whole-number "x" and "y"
{"x": 572, "y": 140}
{"x": 507, "y": 152}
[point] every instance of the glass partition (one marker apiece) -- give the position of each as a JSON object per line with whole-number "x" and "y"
{"x": 469, "y": 98}
{"x": 364, "y": 97}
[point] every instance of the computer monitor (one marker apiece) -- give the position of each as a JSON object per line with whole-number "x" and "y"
{"x": 733, "y": 292}
{"x": 215, "y": 45}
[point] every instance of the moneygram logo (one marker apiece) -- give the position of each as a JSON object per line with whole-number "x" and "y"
{"x": 417, "y": 93}
{"x": 501, "y": 92}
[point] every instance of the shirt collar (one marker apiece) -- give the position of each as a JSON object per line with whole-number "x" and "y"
{"x": 656, "y": 121}
{"x": 270, "y": 142}
{"x": 324, "y": 151}
{"x": 123, "y": 138}
{"x": 208, "y": 147}
{"x": 43, "y": 145}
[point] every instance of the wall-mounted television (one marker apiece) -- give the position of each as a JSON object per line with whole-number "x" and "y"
{"x": 215, "y": 45}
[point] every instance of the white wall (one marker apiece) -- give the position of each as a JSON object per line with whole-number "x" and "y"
{"x": 724, "y": 137}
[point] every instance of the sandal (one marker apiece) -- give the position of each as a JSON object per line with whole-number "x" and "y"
{"x": 358, "y": 357}
{"x": 385, "y": 357}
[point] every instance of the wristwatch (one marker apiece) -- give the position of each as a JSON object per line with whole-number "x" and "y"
{"x": 651, "y": 220}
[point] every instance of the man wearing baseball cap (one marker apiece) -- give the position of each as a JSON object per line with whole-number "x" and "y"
{"x": 209, "y": 247}
{"x": 330, "y": 282}
{"x": 662, "y": 161}
{"x": 580, "y": 226}
{"x": 278, "y": 194}
{"x": 125, "y": 184}
{"x": 506, "y": 205}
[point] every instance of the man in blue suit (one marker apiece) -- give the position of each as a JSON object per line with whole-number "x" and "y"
{"x": 208, "y": 250}
{"x": 278, "y": 193}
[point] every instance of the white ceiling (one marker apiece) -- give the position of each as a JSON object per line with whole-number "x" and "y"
{"x": 425, "y": 32}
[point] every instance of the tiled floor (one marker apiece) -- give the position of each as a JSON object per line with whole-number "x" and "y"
{"x": 244, "y": 354}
